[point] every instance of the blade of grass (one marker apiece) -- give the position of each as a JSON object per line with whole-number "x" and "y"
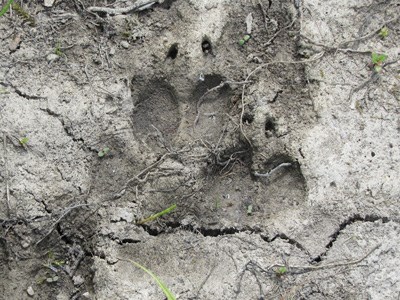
{"x": 157, "y": 215}
{"x": 161, "y": 284}
{"x": 6, "y": 7}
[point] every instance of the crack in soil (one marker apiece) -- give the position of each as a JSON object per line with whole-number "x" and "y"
{"x": 46, "y": 207}
{"x": 64, "y": 237}
{"x": 216, "y": 232}
{"x": 25, "y": 95}
{"x": 67, "y": 129}
{"x": 128, "y": 241}
{"x": 291, "y": 241}
{"x": 349, "y": 221}
{"x": 204, "y": 231}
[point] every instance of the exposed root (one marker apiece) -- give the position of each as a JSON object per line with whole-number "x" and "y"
{"x": 274, "y": 170}
{"x": 137, "y": 6}
{"x": 143, "y": 175}
{"x": 6, "y": 175}
{"x": 54, "y": 226}
{"x": 305, "y": 269}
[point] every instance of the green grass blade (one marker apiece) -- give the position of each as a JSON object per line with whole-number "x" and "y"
{"x": 6, "y": 7}
{"x": 157, "y": 215}
{"x": 161, "y": 284}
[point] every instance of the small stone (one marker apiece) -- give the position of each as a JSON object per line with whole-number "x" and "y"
{"x": 14, "y": 44}
{"x": 257, "y": 60}
{"x": 112, "y": 51}
{"x": 30, "y": 291}
{"x": 52, "y": 57}
{"x": 48, "y": 3}
{"x": 249, "y": 23}
{"x": 121, "y": 214}
{"x": 111, "y": 260}
{"x": 86, "y": 295}
{"x": 125, "y": 44}
{"x": 25, "y": 244}
{"x": 78, "y": 280}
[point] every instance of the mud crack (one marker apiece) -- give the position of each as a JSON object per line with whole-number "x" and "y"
{"x": 46, "y": 207}
{"x": 204, "y": 231}
{"x": 349, "y": 221}
{"x": 67, "y": 129}
{"x": 291, "y": 241}
{"x": 217, "y": 232}
{"x": 25, "y": 95}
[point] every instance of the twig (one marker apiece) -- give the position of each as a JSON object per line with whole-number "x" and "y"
{"x": 264, "y": 13}
{"x": 240, "y": 279}
{"x": 340, "y": 45}
{"x": 76, "y": 262}
{"x": 6, "y": 170}
{"x": 333, "y": 265}
{"x": 390, "y": 63}
{"x": 153, "y": 165}
{"x": 145, "y": 172}
{"x": 205, "y": 280}
{"x": 278, "y": 32}
{"x": 139, "y": 5}
{"x": 231, "y": 157}
{"x": 369, "y": 35}
{"x": 66, "y": 212}
{"x": 372, "y": 79}
{"x": 334, "y": 48}
{"x": 85, "y": 69}
{"x": 274, "y": 170}
{"x": 305, "y": 269}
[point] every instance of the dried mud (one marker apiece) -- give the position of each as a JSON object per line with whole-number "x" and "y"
{"x": 283, "y": 151}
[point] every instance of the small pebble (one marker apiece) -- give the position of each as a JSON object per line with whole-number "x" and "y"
{"x": 125, "y": 44}
{"x": 25, "y": 244}
{"x": 111, "y": 260}
{"x": 112, "y": 51}
{"x": 48, "y": 3}
{"x": 30, "y": 291}
{"x": 257, "y": 60}
{"x": 52, "y": 57}
{"x": 86, "y": 295}
{"x": 78, "y": 280}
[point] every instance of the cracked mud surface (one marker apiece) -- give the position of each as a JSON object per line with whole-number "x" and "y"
{"x": 283, "y": 152}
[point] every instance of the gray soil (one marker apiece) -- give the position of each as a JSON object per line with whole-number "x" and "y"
{"x": 282, "y": 154}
